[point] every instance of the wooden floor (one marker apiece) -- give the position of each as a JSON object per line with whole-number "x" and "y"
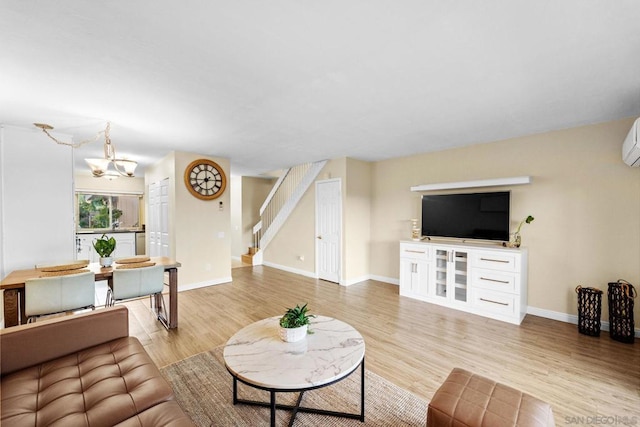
{"x": 415, "y": 344}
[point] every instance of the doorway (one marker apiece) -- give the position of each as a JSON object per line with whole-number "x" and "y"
{"x": 329, "y": 229}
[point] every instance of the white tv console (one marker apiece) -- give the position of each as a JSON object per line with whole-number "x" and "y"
{"x": 486, "y": 280}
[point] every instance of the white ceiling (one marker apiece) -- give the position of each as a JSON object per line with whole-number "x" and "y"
{"x": 271, "y": 84}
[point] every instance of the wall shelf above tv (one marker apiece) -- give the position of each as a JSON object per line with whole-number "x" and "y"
{"x": 516, "y": 180}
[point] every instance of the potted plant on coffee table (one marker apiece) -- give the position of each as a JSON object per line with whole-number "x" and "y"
{"x": 105, "y": 246}
{"x": 294, "y": 325}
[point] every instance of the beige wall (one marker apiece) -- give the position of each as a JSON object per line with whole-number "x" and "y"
{"x": 357, "y": 221}
{"x": 297, "y": 236}
{"x": 124, "y": 184}
{"x": 235, "y": 184}
{"x": 201, "y": 238}
{"x": 247, "y": 196}
{"x": 585, "y": 200}
{"x": 254, "y": 192}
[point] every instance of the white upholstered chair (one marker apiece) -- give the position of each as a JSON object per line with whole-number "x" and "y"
{"x": 130, "y": 283}
{"x": 57, "y": 294}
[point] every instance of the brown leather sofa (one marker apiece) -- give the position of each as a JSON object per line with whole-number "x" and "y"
{"x": 82, "y": 370}
{"x": 470, "y": 400}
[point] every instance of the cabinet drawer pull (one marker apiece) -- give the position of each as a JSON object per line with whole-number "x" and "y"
{"x": 494, "y": 302}
{"x": 505, "y": 282}
{"x": 415, "y": 252}
{"x": 495, "y": 260}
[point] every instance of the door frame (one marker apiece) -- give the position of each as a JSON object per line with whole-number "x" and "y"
{"x": 316, "y": 231}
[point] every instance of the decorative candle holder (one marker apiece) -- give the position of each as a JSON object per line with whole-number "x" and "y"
{"x": 415, "y": 230}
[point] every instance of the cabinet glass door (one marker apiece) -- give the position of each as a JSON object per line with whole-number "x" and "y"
{"x": 460, "y": 283}
{"x": 441, "y": 273}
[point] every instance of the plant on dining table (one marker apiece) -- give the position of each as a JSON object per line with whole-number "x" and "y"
{"x": 105, "y": 246}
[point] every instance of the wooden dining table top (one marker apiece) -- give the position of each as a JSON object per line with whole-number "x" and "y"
{"x": 17, "y": 278}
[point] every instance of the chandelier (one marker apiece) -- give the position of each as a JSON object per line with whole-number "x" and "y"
{"x": 99, "y": 167}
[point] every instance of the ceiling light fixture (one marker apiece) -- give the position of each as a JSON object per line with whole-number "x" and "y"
{"x": 99, "y": 167}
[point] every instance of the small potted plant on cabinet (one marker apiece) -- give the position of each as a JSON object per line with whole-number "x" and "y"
{"x": 516, "y": 239}
{"x": 105, "y": 246}
{"x": 294, "y": 325}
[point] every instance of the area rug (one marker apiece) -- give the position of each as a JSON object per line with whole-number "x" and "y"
{"x": 204, "y": 389}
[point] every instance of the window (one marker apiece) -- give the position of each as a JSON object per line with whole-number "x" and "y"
{"x": 100, "y": 211}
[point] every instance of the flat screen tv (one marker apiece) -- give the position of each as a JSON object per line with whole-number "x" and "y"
{"x": 482, "y": 216}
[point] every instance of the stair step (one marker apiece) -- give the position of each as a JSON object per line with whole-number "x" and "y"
{"x": 247, "y": 258}
{"x": 252, "y": 251}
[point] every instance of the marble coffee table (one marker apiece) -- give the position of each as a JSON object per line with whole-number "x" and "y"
{"x": 257, "y": 356}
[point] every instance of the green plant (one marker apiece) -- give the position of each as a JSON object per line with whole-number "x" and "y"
{"x": 105, "y": 246}
{"x": 528, "y": 220}
{"x": 296, "y": 317}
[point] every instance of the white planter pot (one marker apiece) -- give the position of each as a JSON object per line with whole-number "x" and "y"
{"x": 106, "y": 261}
{"x": 293, "y": 334}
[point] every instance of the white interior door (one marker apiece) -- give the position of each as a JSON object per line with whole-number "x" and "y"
{"x": 153, "y": 218}
{"x": 158, "y": 227}
{"x": 164, "y": 218}
{"x": 328, "y": 229}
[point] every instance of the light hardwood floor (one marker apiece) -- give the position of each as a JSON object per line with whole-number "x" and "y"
{"x": 415, "y": 344}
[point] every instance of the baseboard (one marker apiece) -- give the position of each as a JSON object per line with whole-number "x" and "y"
{"x": 236, "y": 258}
{"x": 190, "y": 286}
{"x": 290, "y": 269}
{"x": 567, "y": 318}
{"x": 390, "y": 280}
{"x": 342, "y": 283}
{"x": 540, "y": 312}
{"x": 554, "y": 315}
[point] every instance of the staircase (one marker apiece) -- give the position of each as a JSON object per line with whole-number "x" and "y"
{"x": 248, "y": 257}
{"x": 281, "y": 201}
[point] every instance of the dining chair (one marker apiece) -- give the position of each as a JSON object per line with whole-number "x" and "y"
{"x": 131, "y": 283}
{"x": 57, "y": 294}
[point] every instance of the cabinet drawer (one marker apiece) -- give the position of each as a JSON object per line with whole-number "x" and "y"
{"x": 497, "y": 261}
{"x": 495, "y": 302}
{"x": 495, "y": 280}
{"x": 407, "y": 250}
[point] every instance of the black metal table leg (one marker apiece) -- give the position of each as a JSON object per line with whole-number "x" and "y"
{"x": 295, "y": 410}
{"x": 235, "y": 390}
{"x": 273, "y": 408}
{"x": 362, "y": 391}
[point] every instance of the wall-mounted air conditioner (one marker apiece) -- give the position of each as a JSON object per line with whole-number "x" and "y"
{"x": 631, "y": 147}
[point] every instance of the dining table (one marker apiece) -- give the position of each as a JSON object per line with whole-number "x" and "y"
{"x": 14, "y": 295}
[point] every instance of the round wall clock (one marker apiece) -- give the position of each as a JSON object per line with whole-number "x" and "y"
{"x": 205, "y": 179}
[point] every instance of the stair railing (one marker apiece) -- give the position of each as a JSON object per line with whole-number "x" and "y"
{"x": 285, "y": 193}
{"x": 285, "y": 188}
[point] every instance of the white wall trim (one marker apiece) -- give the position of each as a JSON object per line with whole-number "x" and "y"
{"x": 516, "y": 180}
{"x": 534, "y": 311}
{"x": 384, "y": 279}
{"x": 291, "y": 270}
{"x": 108, "y": 192}
{"x": 355, "y": 280}
{"x": 565, "y": 317}
{"x": 190, "y": 286}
